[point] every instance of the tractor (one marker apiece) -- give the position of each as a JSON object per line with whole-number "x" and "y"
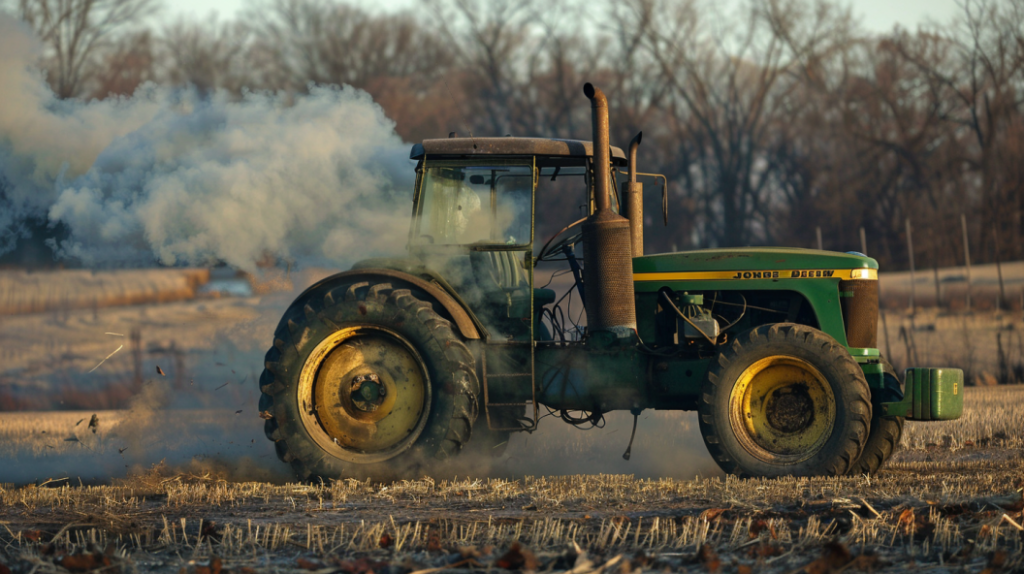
{"x": 394, "y": 367}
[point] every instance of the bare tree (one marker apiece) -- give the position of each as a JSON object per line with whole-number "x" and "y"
{"x": 124, "y": 66}
{"x": 730, "y": 88}
{"x": 298, "y": 42}
{"x": 75, "y": 31}
{"x": 206, "y": 55}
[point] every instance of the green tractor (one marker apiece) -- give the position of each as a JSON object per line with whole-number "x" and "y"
{"x": 397, "y": 365}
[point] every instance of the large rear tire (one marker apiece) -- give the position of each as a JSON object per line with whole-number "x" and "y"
{"x": 785, "y": 399}
{"x": 884, "y": 438}
{"x": 367, "y": 381}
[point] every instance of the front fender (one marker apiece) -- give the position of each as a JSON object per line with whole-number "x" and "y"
{"x": 465, "y": 322}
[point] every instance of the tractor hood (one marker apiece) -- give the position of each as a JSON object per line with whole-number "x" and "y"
{"x": 787, "y": 261}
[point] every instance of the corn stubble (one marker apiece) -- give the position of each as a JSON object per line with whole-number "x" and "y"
{"x": 951, "y": 502}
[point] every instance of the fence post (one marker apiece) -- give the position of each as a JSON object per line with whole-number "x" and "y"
{"x": 817, "y": 231}
{"x": 935, "y": 268}
{"x": 910, "y": 251}
{"x": 881, "y": 311}
{"x": 999, "y": 271}
{"x": 967, "y": 259}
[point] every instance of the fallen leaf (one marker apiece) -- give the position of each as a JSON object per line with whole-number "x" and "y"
{"x": 866, "y": 562}
{"x": 386, "y": 541}
{"x": 433, "y": 542}
{"x": 765, "y": 551}
{"x": 837, "y": 554}
{"x": 84, "y": 562}
{"x": 760, "y": 525}
{"x": 360, "y": 566}
{"x": 708, "y": 558}
{"x": 517, "y": 558}
{"x": 712, "y": 513}
{"x": 308, "y": 564}
{"x": 265, "y": 415}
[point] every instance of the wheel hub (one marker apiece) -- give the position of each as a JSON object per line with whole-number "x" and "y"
{"x": 365, "y": 394}
{"x": 782, "y": 409}
{"x": 790, "y": 409}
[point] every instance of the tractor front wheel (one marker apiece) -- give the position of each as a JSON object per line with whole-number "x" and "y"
{"x": 884, "y": 438}
{"x": 785, "y": 399}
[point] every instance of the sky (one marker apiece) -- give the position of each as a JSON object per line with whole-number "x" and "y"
{"x": 876, "y": 15}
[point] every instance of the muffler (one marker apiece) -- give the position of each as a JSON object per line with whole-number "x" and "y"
{"x": 607, "y": 251}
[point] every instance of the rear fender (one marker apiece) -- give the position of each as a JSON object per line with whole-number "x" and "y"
{"x": 465, "y": 322}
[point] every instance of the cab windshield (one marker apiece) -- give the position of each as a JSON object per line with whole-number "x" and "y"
{"x": 479, "y": 204}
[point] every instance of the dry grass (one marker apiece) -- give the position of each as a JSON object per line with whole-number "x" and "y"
{"x": 64, "y": 290}
{"x": 961, "y": 510}
{"x": 965, "y": 517}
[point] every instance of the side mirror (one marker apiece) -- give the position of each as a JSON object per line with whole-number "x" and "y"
{"x": 476, "y": 179}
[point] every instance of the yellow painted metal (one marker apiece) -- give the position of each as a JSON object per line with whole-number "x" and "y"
{"x": 782, "y": 409}
{"x": 741, "y": 275}
{"x": 342, "y": 420}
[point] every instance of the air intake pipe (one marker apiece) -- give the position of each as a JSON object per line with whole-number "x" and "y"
{"x": 607, "y": 254}
{"x": 633, "y": 201}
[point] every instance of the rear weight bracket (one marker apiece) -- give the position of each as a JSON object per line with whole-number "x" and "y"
{"x": 930, "y": 395}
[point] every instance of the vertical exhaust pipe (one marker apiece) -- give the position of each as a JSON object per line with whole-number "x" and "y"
{"x": 607, "y": 251}
{"x": 633, "y": 201}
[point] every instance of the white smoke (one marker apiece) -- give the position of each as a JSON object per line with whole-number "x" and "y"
{"x": 169, "y": 176}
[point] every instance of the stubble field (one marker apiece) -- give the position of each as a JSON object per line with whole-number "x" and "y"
{"x": 177, "y": 476}
{"x": 950, "y": 501}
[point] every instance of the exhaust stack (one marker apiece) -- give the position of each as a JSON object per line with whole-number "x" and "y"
{"x": 633, "y": 201}
{"x": 607, "y": 252}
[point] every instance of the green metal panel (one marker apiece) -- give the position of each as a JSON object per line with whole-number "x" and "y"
{"x": 874, "y": 373}
{"x": 750, "y": 258}
{"x": 821, "y": 294}
{"x": 814, "y": 274}
{"x": 930, "y": 395}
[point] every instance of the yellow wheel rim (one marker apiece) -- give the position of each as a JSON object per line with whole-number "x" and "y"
{"x": 782, "y": 409}
{"x": 364, "y": 395}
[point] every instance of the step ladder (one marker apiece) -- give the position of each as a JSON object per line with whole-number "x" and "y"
{"x": 528, "y": 376}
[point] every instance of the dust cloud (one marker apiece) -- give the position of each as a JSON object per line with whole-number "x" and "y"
{"x": 668, "y": 444}
{"x": 173, "y": 177}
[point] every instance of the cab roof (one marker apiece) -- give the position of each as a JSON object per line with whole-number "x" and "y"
{"x": 510, "y": 146}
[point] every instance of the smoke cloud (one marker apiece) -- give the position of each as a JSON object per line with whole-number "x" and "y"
{"x": 178, "y": 178}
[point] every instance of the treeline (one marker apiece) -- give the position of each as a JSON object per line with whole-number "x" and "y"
{"x": 770, "y": 121}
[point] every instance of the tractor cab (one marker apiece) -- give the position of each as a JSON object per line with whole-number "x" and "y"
{"x": 474, "y": 220}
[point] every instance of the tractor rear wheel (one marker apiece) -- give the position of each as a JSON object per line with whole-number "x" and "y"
{"x": 785, "y": 399}
{"x": 884, "y": 438}
{"x": 367, "y": 381}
